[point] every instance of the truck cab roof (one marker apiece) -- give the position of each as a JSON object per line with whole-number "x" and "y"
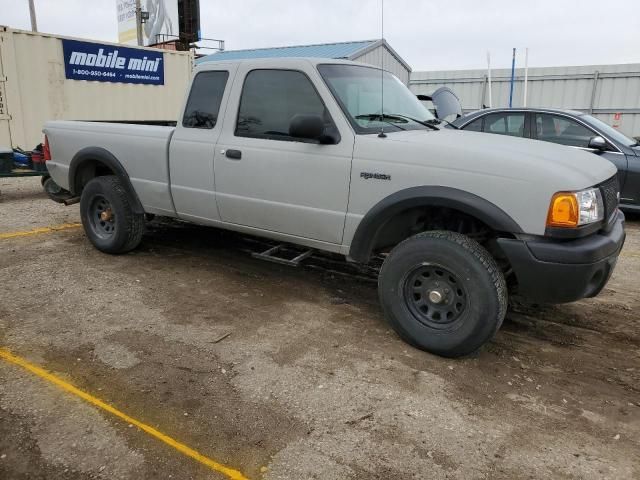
{"x": 279, "y": 62}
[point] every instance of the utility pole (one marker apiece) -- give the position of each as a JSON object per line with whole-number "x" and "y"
{"x": 138, "y": 21}
{"x": 32, "y": 13}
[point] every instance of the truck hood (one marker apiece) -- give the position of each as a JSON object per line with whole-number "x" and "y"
{"x": 517, "y": 175}
{"x": 505, "y": 156}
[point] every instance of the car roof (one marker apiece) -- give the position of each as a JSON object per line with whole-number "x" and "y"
{"x": 279, "y": 61}
{"x": 477, "y": 113}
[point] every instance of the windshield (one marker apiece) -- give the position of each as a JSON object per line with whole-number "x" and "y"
{"x": 359, "y": 90}
{"x": 609, "y": 131}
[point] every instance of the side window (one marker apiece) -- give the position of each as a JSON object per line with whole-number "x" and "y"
{"x": 204, "y": 100}
{"x": 505, "y": 124}
{"x": 271, "y": 98}
{"x": 475, "y": 126}
{"x": 562, "y": 130}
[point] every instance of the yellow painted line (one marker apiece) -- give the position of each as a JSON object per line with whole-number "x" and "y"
{"x": 38, "y": 231}
{"x": 182, "y": 448}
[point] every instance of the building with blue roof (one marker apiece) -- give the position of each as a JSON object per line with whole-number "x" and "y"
{"x": 374, "y": 52}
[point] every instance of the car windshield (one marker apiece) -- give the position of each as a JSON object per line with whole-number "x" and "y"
{"x": 359, "y": 90}
{"x": 609, "y": 131}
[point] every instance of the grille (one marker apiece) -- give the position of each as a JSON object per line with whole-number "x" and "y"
{"x": 610, "y": 190}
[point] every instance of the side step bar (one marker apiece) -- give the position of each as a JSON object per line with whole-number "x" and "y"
{"x": 270, "y": 256}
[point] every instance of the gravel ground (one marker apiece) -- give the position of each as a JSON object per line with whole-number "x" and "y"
{"x": 309, "y": 383}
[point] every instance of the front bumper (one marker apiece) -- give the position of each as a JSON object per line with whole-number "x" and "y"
{"x": 558, "y": 271}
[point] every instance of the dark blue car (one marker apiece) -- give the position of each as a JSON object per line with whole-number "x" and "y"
{"x": 571, "y": 128}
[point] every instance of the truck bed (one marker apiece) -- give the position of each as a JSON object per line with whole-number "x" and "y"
{"x": 142, "y": 148}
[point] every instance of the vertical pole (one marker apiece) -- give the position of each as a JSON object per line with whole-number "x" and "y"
{"x": 513, "y": 75}
{"x": 596, "y": 74}
{"x": 484, "y": 92}
{"x": 526, "y": 76}
{"x": 139, "y": 22}
{"x": 382, "y": 62}
{"x": 32, "y": 13}
{"x": 489, "y": 78}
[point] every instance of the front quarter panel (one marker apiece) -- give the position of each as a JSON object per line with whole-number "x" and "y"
{"x": 496, "y": 170}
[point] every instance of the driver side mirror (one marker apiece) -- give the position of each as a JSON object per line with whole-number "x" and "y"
{"x": 597, "y": 143}
{"x": 310, "y": 127}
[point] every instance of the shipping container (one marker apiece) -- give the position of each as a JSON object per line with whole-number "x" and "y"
{"x": 34, "y": 86}
{"x": 608, "y": 92}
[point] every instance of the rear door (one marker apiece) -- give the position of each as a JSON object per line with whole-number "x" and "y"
{"x": 513, "y": 124}
{"x": 266, "y": 179}
{"x": 192, "y": 147}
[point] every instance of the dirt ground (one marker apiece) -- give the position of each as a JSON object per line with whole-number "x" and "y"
{"x": 310, "y": 383}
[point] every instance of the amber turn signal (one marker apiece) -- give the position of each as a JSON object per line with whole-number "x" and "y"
{"x": 563, "y": 211}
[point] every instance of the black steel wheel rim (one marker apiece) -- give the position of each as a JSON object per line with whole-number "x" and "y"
{"x": 102, "y": 217}
{"x": 434, "y": 295}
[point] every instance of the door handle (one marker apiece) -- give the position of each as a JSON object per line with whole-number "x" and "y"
{"x": 234, "y": 154}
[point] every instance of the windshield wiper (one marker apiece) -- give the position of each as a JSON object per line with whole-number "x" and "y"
{"x": 438, "y": 121}
{"x": 374, "y": 116}
{"x": 381, "y": 118}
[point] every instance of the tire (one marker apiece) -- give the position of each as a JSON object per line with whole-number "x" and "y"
{"x": 108, "y": 217}
{"x": 443, "y": 292}
{"x": 54, "y": 191}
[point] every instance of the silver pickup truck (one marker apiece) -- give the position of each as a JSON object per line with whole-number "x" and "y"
{"x": 309, "y": 151}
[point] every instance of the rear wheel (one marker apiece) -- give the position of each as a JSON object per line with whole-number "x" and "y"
{"x": 108, "y": 217}
{"x": 443, "y": 292}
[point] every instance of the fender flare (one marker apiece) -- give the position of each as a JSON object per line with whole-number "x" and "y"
{"x": 106, "y": 158}
{"x": 432, "y": 196}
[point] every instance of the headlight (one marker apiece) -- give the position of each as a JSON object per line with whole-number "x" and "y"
{"x": 573, "y": 209}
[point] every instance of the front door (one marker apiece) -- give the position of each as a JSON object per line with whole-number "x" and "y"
{"x": 567, "y": 131}
{"x": 268, "y": 180}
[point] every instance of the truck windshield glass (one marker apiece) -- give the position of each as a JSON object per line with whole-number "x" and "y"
{"x": 359, "y": 90}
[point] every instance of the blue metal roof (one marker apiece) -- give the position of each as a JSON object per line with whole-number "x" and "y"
{"x": 325, "y": 50}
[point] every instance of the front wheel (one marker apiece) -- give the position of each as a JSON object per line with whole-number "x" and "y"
{"x": 443, "y": 292}
{"x": 108, "y": 217}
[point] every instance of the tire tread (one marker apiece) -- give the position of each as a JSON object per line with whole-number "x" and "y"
{"x": 478, "y": 252}
{"x": 134, "y": 222}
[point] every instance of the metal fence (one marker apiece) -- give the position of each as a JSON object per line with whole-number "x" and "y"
{"x": 609, "y": 92}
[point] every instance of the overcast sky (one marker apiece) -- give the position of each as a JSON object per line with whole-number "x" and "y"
{"x": 429, "y": 35}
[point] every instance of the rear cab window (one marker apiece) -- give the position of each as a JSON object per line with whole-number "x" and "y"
{"x": 204, "y": 100}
